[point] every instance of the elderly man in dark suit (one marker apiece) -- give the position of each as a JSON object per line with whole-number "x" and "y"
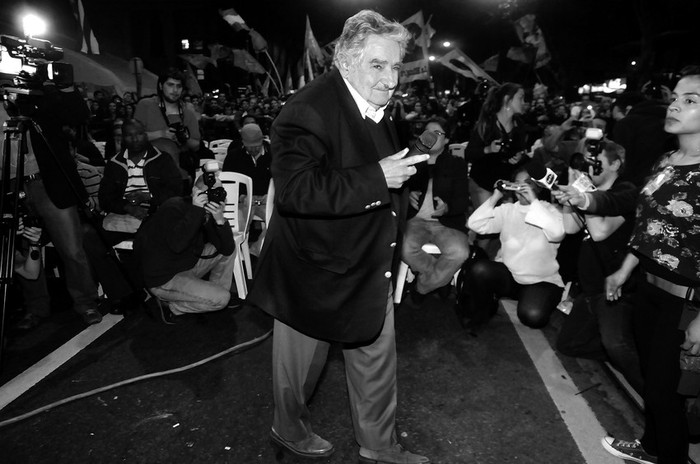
{"x": 325, "y": 271}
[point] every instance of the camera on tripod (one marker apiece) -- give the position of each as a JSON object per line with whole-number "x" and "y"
{"x": 214, "y": 194}
{"x": 29, "y": 64}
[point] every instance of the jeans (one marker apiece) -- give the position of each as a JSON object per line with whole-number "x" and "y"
{"x": 602, "y": 330}
{"x": 109, "y": 273}
{"x": 434, "y": 271}
{"x": 63, "y": 226}
{"x": 488, "y": 280}
{"x": 188, "y": 292}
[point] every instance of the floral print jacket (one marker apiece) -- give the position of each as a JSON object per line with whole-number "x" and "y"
{"x": 667, "y": 227}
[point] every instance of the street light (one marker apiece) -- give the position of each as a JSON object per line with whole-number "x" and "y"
{"x": 33, "y": 26}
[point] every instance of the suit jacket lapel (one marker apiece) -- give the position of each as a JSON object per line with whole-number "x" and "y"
{"x": 356, "y": 123}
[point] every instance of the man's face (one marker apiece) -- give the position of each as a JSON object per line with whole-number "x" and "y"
{"x": 172, "y": 90}
{"x": 376, "y": 73}
{"x": 134, "y": 138}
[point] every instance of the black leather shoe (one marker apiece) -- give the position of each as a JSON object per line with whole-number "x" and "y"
{"x": 312, "y": 446}
{"x": 167, "y": 316}
{"x": 394, "y": 455}
{"x": 28, "y": 322}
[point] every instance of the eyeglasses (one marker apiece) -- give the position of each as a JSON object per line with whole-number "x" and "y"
{"x": 440, "y": 133}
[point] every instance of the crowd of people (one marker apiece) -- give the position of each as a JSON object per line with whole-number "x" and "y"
{"x": 597, "y": 196}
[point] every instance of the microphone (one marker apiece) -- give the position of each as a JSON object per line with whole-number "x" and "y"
{"x": 423, "y": 144}
{"x": 544, "y": 177}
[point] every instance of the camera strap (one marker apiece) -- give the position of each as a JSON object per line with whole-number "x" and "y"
{"x": 180, "y": 111}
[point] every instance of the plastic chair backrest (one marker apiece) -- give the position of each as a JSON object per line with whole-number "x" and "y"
{"x": 270, "y": 204}
{"x": 237, "y": 215}
{"x": 457, "y": 149}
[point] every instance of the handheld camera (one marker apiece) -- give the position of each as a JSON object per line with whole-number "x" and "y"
{"x": 214, "y": 194}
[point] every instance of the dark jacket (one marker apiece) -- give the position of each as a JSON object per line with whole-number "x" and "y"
{"x": 51, "y": 148}
{"x": 172, "y": 240}
{"x": 450, "y": 183}
{"x": 160, "y": 173}
{"x": 238, "y": 160}
{"x": 326, "y": 266}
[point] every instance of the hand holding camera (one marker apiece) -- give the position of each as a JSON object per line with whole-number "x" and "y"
{"x": 181, "y": 132}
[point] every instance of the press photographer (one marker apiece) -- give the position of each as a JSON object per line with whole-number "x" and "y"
{"x": 37, "y": 105}
{"x": 171, "y": 124}
{"x": 199, "y": 241}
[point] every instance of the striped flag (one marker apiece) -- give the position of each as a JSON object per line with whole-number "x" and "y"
{"x": 89, "y": 45}
{"x": 234, "y": 19}
{"x": 460, "y": 63}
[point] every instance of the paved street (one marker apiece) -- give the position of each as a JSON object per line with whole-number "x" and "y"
{"x": 501, "y": 396}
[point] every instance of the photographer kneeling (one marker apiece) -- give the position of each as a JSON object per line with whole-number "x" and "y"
{"x": 180, "y": 244}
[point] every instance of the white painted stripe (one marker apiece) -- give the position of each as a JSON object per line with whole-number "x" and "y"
{"x": 27, "y": 379}
{"x": 574, "y": 410}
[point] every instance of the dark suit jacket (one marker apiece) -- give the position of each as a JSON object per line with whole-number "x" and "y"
{"x": 325, "y": 268}
{"x": 450, "y": 183}
{"x": 56, "y": 164}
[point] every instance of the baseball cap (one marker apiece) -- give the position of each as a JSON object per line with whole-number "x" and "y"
{"x": 252, "y": 135}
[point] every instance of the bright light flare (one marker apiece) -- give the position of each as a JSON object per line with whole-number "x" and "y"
{"x": 33, "y": 26}
{"x": 447, "y": 44}
{"x": 431, "y": 57}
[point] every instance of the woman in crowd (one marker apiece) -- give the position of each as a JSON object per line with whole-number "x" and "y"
{"x": 499, "y": 141}
{"x": 665, "y": 244}
{"x": 526, "y": 268}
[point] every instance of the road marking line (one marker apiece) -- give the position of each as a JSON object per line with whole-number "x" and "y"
{"x": 574, "y": 410}
{"x": 27, "y": 379}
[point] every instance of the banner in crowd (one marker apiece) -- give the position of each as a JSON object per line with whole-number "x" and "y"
{"x": 534, "y": 49}
{"x": 415, "y": 63}
{"x": 459, "y": 62}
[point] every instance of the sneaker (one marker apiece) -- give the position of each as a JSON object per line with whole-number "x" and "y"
{"x": 28, "y": 322}
{"x": 630, "y": 450}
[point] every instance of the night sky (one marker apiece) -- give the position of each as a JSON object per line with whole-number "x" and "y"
{"x": 588, "y": 39}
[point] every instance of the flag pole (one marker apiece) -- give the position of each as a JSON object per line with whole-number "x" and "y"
{"x": 272, "y": 63}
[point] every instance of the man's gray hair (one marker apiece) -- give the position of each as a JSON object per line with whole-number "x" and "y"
{"x": 365, "y": 23}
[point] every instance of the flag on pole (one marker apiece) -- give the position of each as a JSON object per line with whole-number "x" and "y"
{"x": 234, "y": 19}
{"x": 532, "y": 38}
{"x": 259, "y": 44}
{"x": 89, "y": 45}
{"x": 245, "y": 61}
{"x": 311, "y": 46}
{"x": 459, "y": 62}
{"x": 491, "y": 64}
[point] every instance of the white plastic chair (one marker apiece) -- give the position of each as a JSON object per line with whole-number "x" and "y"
{"x": 405, "y": 274}
{"x": 457, "y": 149}
{"x": 220, "y": 149}
{"x": 232, "y": 182}
{"x": 269, "y": 207}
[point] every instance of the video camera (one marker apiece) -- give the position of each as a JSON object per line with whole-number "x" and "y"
{"x": 29, "y": 64}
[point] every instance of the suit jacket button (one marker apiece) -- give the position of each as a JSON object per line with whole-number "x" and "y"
{"x": 387, "y": 274}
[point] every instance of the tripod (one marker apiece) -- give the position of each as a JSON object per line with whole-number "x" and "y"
{"x": 15, "y": 131}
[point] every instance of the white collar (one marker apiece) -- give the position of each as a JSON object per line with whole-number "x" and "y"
{"x": 366, "y": 110}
